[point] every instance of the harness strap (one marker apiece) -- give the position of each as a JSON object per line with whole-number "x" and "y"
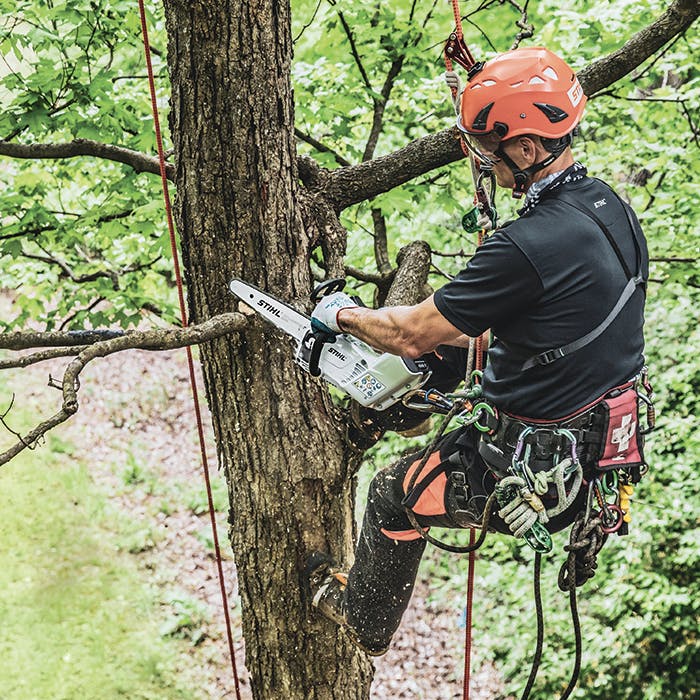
{"x": 549, "y": 356}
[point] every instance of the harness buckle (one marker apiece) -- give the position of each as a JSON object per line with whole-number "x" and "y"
{"x": 549, "y": 356}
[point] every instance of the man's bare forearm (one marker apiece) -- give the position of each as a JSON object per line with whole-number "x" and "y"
{"x": 461, "y": 342}
{"x": 384, "y": 329}
{"x": 409, "y": 331}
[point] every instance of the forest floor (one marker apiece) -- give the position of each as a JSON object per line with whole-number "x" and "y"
{"x": 136, "y": 431}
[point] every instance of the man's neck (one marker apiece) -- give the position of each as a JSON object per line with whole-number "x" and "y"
{"x": 565, "y": 160}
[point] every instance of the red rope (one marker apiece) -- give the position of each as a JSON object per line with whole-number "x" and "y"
{"x": 458, "y": 20}
{"x": 468, "y": 619}
{"x": 190, "y": 362}
{"x": 466, "y": 689}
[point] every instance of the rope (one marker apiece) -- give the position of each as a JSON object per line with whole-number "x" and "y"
{"x": 475, "y": 357}
{"x": 466, "y": 683}
{"x": 458, "y": 19}
{"x": 585, "y": 541}
{"x": 537, "y": 658}
{"x": 190, "y": 362}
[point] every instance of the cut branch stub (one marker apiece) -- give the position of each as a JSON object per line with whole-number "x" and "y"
{"x": 409, "y": 286}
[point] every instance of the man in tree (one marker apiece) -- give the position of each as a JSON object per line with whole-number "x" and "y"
{"x": 562, "y": 289}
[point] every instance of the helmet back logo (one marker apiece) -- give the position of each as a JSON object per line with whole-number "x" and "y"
{"x": 575, "y": 93}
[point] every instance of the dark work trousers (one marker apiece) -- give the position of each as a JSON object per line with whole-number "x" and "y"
{"x": 389, "y": 550}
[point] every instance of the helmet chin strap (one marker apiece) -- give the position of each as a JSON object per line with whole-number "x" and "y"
{"x": 521, "y": 176}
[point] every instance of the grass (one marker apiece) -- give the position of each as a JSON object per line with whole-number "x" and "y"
{"x": 76, "y": 620}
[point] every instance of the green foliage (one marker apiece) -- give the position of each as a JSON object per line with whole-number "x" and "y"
{"x": 83, "y": 243}
{"x": 83, "y": 240}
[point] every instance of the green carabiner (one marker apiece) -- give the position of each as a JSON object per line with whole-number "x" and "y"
{"x": 476, "y": 374}
{"x": 481, "y": 406}
{"x": 609, "y": 483}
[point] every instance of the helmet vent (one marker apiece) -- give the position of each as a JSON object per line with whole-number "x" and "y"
{"x": 480, "y": 120}
{"x": 535, "y": 80}
{"x": 518, "y": 84}
{"x": 554, "y": 114}
{"x": 551, "y": 73}
{"x": 488, "y": 83}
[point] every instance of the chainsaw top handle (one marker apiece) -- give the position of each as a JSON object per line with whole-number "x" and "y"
{"x": 331, "y": 286}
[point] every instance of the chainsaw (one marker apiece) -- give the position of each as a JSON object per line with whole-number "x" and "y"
{"x": 374, "y": 379}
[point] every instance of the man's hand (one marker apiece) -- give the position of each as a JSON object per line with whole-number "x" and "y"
{"x": 324, "y": 317}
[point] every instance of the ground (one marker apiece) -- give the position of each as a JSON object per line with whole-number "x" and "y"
{"x": 136, "y": 429}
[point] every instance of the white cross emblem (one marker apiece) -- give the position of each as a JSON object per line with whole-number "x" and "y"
{"x": 621, "y": 436}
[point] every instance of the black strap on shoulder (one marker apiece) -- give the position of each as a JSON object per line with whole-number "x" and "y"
{"x": 633, "y": 281}
{"x": 636, "y": 230}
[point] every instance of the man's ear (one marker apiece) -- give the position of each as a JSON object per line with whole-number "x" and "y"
{"x": 528, "y": 149}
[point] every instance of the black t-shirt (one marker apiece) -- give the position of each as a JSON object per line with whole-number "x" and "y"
{"x": 542, "y": 281}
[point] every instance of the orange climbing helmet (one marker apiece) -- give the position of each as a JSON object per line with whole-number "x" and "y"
{"x": 525, "y": 91}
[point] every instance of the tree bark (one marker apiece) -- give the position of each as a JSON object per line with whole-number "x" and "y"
{"x": 287, "y": 462}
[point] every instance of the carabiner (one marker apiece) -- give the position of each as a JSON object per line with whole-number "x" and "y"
{"x": 478, "y": 410}
{"x": 609, "y": 483}
{"x": 519, "y": 444}
{"x": 476, "y": 374}
{"x": 572, "y": 441}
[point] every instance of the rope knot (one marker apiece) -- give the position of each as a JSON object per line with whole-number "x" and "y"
{"x": 585, "y": 541}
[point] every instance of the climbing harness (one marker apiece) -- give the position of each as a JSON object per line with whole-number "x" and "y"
{"x": 529, "y": 495}
{"x": 190, "y": 361}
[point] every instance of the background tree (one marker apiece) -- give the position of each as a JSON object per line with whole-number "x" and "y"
{"x": 82, "y": 247}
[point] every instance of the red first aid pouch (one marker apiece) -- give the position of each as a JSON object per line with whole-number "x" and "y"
{"x": 623, "y": 443}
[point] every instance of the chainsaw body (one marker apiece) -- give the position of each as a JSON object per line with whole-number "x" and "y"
{"x": 373, "y": 379}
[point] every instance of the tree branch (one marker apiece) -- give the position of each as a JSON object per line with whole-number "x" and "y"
{"x": 321, "y": 147}
{"x": 140, "y": 162}
{"x": 526, "y": 28}
{"x": 353, "y": 49}
{"x": 609, "y": 69}
{"x": 348, "y": 186}
{"x": 409, "y": 285}
{"x": 53, "y": 227}
{"x": 26, "y": 340}
{"x": 159, "y": 339}
{"x": 380, "y": 106}
{"x": 369, "y": 277}
{"x": 42, "y": 356}
{"x": 76, "y": 312}
{"x": 381, "y": 248}
{"x": 112, "y": 275}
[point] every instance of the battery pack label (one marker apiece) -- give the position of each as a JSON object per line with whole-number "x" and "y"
{"x": 368, "y": 386}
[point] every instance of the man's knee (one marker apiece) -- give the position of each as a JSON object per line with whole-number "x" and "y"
{"x": 385, "y": 490}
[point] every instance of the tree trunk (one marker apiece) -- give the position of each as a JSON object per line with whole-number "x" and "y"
{"x": 287, "y": 462}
